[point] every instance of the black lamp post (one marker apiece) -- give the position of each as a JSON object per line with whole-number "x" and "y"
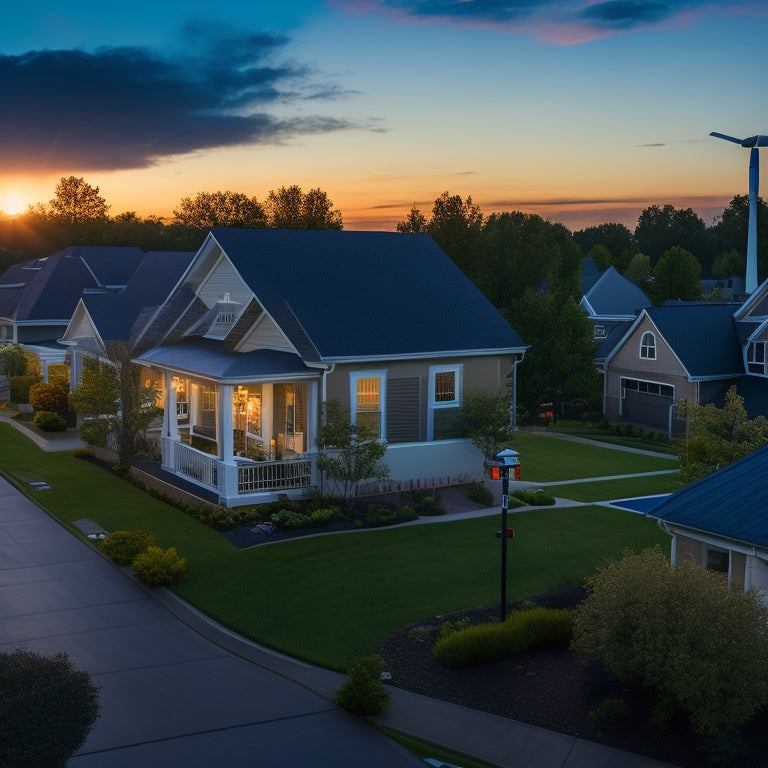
{"x": 498, "y": 469}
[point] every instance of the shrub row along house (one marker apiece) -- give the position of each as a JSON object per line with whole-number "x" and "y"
{"x": 246, "y": 340}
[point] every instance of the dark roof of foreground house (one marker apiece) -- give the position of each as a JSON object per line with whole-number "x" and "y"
{"x": 731, "y": 503}
{"x": 352, "y": 295}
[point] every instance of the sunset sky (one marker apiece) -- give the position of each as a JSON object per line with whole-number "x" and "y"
{"x": 582, "y": 111}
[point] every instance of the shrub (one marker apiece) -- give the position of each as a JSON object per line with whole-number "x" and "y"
{"x": 286, "y": 518}
{"x": 429, "y": 506}
{"x": 364, "y": 693}
{"x": 49, "y": 422}
{"x": 20, "y": 385}
{"x": 123, "y": 546}
{"x": 379, "y": 515}
{"x": 49, "y": 397}
{"x": 537, "y": 498}
{"x": 680, "y": 631}
{"x": 157, "y": 566}
{"x": 478, "y": 493}
{"x": 95, "y": 431}
{"x": 610, "y": 711}
{"x": 323, "y": 516}
{"x": 47, "y": 709}
{"x": 83, "y": 453}
{"x": 523, "y": 631}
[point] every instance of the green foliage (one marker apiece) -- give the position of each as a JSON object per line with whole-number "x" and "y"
{"x": 428, "y": 506}
{"x": 124, "y": 546}
{"x": 379, "y": 515}
{"x": 95, "y": 431}
{"x": 99, "y": 391}
{"x": 485, "y": 419}
{"x": 207, "y": 210}
{"x": 83, "y": 453}
{"x": 49, "y": 422}
{"x": 348, "y": 453}
{"x": 49, "y": 397}
{"x": 523, "y": 631}
{"x": 20, "y": 385}
{"x": 291, "y": 208}
{"x": 449, "y": 627}
{"x": 639, "y": 267}
{"x": 681, "y": 632}
{"x": 13, "y": 361}
{"x": 76, "y": 201}
{"x": 534, "y": 498}
{"x": 47, "y": 708}
{"x": 716, "y": 436}
{"x": 287, "y": 518}
{"x": 58, "y": 373}
{"x": 159, "y": 567}
{"x": 478, "y": 493}
{"x": 363, "y": 693}
{"x": 677, "y": 275}
{"x": 610, "y": 711}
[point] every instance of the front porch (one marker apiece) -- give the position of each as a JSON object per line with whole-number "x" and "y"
{"x": 246, "y": 443}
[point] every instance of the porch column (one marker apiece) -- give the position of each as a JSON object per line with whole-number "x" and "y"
{"x": 267, "y": 420}
{"x": 75, "y": 368}
{"x": 225, "y": 436}
{"x": 313, "y": 416}
{"x": 194, "y": 404}
{"x": 170, "y": 419}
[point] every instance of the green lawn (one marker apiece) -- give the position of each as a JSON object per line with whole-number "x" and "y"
{"x": 627, "y": 488}
{"x": 331, "y": 599}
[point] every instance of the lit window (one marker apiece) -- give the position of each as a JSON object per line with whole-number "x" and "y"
{"x": 648, "y": 346}
{"x": 445, "y": 386}
{"x": 368, "y": 397}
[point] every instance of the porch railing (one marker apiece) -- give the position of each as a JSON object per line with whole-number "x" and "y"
{"x": 274, "y": 476}
{"x": 196, "y": 465}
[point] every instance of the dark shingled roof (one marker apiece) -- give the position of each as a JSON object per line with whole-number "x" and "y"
{"x": 702, "y": 335}
{"x": 366, "y": 294}
{"x": 732, "y": 502}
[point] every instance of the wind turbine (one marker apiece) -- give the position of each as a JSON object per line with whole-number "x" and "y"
{"x": 752, "y": 143}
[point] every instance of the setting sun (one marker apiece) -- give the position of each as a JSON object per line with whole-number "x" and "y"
{"x": 13, "y": 203}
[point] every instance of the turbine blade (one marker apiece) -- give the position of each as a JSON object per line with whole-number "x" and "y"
{"x": 728, "y": 138}
{"x": 762, "y": 141}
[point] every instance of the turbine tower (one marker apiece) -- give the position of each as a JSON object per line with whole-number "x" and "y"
{"x": 752, "y": 143}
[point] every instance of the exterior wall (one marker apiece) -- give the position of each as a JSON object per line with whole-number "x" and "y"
{"x": 665, "y": 369}
{"x": 687, "y": 547}
{"x": 408, "y": 398}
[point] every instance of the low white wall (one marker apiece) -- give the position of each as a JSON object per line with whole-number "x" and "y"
{"x": 458, "y": 460}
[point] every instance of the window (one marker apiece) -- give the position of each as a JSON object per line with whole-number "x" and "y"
{"x": 649, "y": 387}
{"x": 600, "y": 332}
{"x": 756, "y": 361}
{"x": 648, "y": 346}
{"x": 717, "y": 560}
{"x": 208, "y": 400}
{"x": 368, "y": 395}
{"x": 445, "y": 386}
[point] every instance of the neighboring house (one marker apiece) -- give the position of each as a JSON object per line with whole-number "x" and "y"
{"x": 37, "y": 297}
{"x": 609, "y": 299}
{"x": 100, "y": 318}
{"x": 267, "y": 325}
{"x": 722, "y": 521}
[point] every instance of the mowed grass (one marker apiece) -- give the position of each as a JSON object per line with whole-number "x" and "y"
{"x": 545, "y": 459}
{"x": 331, "y": 599}
{"x": 626, "y": 488}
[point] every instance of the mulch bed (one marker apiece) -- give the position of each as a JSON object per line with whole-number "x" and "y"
{"x": 552, "y": 689}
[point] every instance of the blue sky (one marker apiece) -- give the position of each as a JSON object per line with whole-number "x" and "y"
{"x": 582, "y": 111}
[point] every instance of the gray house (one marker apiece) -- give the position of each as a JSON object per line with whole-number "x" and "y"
{"x": 265, "y": 326}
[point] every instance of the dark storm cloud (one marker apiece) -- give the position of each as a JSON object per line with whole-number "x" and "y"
{"x": 120, "y": 108}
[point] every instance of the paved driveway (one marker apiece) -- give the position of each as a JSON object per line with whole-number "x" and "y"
{"x": 169, "y": 696}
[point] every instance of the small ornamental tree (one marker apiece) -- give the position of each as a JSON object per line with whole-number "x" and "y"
{"x": 13, "y": 360}
{"x": 348, "y": 453}
{"x": 485, "y": 420}
{"x": 679, "y": 630}
{"x": 47, "y": 709}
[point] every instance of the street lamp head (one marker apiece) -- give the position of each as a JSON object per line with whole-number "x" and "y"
{"x": 508, "y": 457}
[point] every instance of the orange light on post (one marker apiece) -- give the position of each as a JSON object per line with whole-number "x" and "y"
{"x": 494, "y": 473}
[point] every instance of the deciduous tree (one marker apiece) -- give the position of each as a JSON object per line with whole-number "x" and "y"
{"x": 207, "y": 210}
{"x": 75, "y": 201}
{"x": 677, "y": 275}
{"x": 290, "y": 208}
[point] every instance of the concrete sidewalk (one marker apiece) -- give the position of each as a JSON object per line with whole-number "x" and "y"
{"x": 180, "y": 689}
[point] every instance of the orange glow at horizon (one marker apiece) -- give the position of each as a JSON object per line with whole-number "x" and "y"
{"x": 13, "y": 203}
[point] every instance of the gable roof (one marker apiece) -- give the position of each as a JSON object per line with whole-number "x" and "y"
{"x": 732, "y": 502}
{"x": 365, "y": 295}
{"x": 48, "y": 289}
{"x": 702, "y": 335}
{"x": 612, "y": 296}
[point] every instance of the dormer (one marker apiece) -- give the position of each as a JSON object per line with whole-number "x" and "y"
{"x": 224, "y": 316}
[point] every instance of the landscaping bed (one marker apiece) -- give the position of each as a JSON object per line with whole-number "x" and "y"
{"x": 551, "y": 689}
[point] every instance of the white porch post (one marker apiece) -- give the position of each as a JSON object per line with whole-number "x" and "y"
{"x": 267, "y": 430}
{"x": 313, "y": 417}
{"x": 75, "y": 368}
{"x": 225, "y": 437}
{"x": 170, "y": 419}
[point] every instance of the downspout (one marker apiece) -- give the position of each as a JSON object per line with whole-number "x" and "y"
{"x": 516, "y": 362}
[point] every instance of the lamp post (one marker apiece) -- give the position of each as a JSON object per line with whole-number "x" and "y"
{"x": 498, "y": 469}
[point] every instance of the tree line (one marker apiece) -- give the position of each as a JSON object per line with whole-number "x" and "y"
{"x": 529, "y": 268}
